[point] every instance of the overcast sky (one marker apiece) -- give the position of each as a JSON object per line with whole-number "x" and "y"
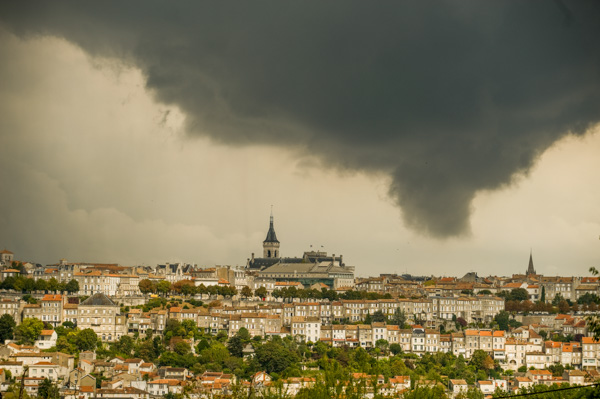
{"x": 435, "y": 138}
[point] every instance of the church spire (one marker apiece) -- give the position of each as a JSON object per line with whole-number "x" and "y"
{"x": 271, "y": 236}
{"x": 271, "y": 244}
{"x": 530, "y": 269}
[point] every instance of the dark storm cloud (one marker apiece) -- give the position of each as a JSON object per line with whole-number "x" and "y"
{"x": 448, "y": 98}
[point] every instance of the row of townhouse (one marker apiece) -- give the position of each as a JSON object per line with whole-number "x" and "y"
{"x": 472, "y": 309}
{"x": 270, "y": 319}
{"x": 571, "y": 288}
{"x": 97, "y": 312}
{"x": 523, "y": 347}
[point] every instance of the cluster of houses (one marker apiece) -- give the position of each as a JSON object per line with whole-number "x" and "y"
{"x": 110, "y": 320}
{"x": 525, "y": 381}
{"x": 134, "y": 378}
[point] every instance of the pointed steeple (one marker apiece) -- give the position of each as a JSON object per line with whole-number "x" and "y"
{"x": 271, "y": 244}
{"x": 530, "y": 269}
{"x": 271, "y": 236}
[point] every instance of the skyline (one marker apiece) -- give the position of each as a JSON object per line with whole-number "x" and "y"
{"x": 136, "y": 140}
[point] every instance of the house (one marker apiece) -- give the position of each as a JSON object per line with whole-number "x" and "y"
{"x": 457, "y": 387}
{"x": 574, "y": 377}
{"x": 31, "y": 385}
{"x": 400, "y": 383}
{"x": 122, "y": 393}
{"x": 540, "y": 376}
{"x": 173, "y": 373}
{"x": 486, "y": 387}
{"x": 522, "y": 382}
{"x": 86, "y": 366}
{"x": 43, "y": 370}
{"x": 133, "y": 365}
{"x": 163, "y": 386}
{"x": 15, "y": 368}
{"x": 78, "y": 379}
{"x": 292, "y": 385}
{"x": 147, "y": 368}
{"x": 46, "y": 340}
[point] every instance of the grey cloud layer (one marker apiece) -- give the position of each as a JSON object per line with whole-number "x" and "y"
{"x": 448, "y": 98}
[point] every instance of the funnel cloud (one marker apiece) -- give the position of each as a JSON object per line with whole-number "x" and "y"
{"x": 447, "y": 98}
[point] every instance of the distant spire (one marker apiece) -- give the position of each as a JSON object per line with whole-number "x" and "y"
{"x": 530, "y": 269}
{"x": 271, "y": 236}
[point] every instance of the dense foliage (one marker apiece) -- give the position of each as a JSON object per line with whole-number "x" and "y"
{"x": 24, "y": 284}
{"x": 184, "y": 287}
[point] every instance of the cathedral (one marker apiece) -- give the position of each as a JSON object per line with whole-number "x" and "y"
{"x": 312, "y": 267}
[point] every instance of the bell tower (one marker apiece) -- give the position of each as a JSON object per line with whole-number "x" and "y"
{"x": 271, "y": 244}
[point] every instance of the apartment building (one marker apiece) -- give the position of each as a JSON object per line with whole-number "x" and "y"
{"x": 306, "y": 327}
{"x": 102, "y": 315}
{"x": 11, "y": 307}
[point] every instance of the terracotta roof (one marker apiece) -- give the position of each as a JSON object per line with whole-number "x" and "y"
{"x": 539, "y": 372}
{"x": 45, "y": 364}
{"x": 50, "y": 297}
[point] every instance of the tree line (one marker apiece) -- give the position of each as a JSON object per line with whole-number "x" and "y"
{"x": 184, "y": 287}
{"x": 26, "y": 284}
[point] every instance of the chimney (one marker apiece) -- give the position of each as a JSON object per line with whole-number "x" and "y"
{"x": 341, "y": 264}
{"x": 252, "y": 255}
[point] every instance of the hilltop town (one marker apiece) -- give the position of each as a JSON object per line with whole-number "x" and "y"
{"x": 289, "y": 326}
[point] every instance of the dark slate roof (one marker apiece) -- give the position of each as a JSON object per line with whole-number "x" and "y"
{"x": 271, "y": 236}
{"x": 98, "y": 299}
{"x": 261, "y": 263}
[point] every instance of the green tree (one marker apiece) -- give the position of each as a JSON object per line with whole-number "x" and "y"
{"x": 29, "y": 330}
{"x": 48, "y": 390}
{"x": 379, "y": 317}
{"x": 146, "y": 286}
{"x": 543, "y": 295}
{"x": 41, "y": 285}
{"x": 86, "y": 340}
{"x": 502, "y": 319}
{"x": 29, "y": 285}
{"x": 182, "y": 348}
{"x": 7, "y": 327}
{"x": 163, "y": 287}
{"x": 399, "y": 318}
{"x": 478, "y": 359}
{"x": 275, "y": 358}
{"x": 519, "y": 294}
{"x": 235, "y": 346}
{"x": 558, "y": 298}
{"x": 53, "y": 284}
{"x": 261, "y": 292}
{"x": 125, "y": 345}
{"x": 395, "y": 348}
{"x": 246, "y": 292}
{"x": 382, "y": 345}
{"x": 72, "y": 286}
{"x": 588, "y": 298}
